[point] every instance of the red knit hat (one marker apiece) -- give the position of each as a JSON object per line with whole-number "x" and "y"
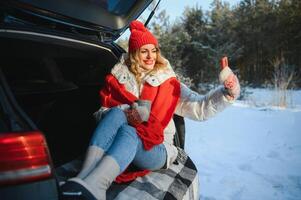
{"x": 140, "y": 36}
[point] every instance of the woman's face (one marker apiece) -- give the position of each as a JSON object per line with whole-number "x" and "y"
{"x": 147, "y": 56}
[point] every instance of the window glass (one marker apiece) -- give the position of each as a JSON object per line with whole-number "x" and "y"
{"x": 117, "y": 7}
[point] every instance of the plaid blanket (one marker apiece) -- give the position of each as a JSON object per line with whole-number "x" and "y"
{"x": 179, "y": 182}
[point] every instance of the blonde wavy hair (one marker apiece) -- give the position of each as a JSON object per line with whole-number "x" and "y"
{"x": 133, "y": 63}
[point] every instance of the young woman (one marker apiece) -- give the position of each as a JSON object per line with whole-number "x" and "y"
{"x": 138, "y": 101}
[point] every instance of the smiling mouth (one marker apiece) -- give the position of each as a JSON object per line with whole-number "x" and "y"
{"x": 149, "y": 62}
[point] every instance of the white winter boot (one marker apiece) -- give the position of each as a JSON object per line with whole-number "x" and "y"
{"x": 102, "y": 176}
{"x": 93, "y": 156}
{"x": 95, "y": 185}
{"x": 99, "y": 180}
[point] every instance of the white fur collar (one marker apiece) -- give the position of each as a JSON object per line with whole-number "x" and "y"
{"x": 121, "y": 72}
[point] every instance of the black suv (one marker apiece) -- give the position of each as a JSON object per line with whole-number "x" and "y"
{"x": 54, "y": 57}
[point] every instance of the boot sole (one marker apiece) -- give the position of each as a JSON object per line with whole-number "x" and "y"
{"x": 75, "y": 191}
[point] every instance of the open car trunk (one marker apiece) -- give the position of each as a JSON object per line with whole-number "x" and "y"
{"x": 54, "y": 56}
{"x": 57, "y": 86}
{"x": 56, "y": 81}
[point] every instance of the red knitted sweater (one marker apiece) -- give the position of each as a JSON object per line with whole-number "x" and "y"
{"x": 164, "y": 99}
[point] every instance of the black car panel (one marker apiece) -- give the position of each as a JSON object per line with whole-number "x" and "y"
{"x": 42, "y": 190}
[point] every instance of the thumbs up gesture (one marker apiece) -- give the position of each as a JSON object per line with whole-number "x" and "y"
{"x": 229, "y": 80}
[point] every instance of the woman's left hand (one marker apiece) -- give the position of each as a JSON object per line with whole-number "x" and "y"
{"x": 229, "y": 80}
{"x": 232, "y": 86}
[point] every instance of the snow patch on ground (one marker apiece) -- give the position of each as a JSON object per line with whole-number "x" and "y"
{"x": 248, "y": 152}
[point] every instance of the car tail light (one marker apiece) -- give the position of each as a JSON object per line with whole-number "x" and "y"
{"x": 24, "y": 157}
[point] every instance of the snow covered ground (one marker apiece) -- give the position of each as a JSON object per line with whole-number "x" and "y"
{"x": 250, "y": 151}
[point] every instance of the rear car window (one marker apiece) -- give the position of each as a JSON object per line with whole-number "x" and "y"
{"x": 117, "y": 7}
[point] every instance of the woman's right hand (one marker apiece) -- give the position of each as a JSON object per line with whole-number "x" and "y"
{"x": 139, "y": 112}
{"x": 143, "y": 107}
{"x": 133, "y": 116}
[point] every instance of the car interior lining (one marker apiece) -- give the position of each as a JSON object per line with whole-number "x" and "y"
{"x": 57, "y": 86}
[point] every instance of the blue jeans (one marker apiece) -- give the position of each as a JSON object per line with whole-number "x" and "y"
{"x": 120, "y": 140}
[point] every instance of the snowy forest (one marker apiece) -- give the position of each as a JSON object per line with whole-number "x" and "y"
{"x": 262, "y": 39}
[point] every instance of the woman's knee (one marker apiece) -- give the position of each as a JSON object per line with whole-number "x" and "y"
{"x": 117, "y": 112}
{"x": 108, "y": 127}
{"x": 129, "y": 131}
